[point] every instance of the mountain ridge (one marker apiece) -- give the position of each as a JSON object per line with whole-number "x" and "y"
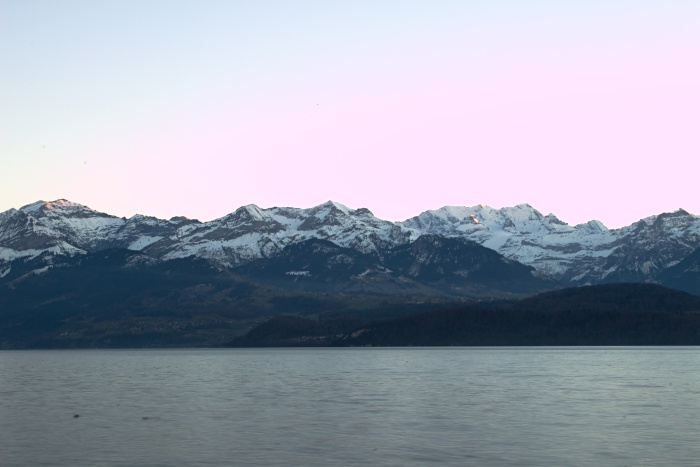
{"x": 586, "y": 253}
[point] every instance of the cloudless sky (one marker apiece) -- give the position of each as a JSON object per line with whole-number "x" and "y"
{"x": 587, "y": 109}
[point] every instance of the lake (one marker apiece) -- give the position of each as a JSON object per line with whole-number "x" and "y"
{"x": 592, "y": 406}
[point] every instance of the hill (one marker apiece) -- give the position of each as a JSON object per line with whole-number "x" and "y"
{"x": 613, "y": 314}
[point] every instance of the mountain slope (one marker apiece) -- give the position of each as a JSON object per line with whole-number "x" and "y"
{"x": 462, "y": 266}
{"x": 124, "y": 298}
{"x": 431, "y": 265}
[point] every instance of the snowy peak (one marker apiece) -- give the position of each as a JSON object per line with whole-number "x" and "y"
{"x": 327, "y": 219}
{"x": 59, "y": 227}
{"x": 678, "y": 217}
{"x": 522, "y": 216}
{"x": 551, "y": 219}
{"x": 253, "y": 212}
{"x": 252, "y": 233}
{"x": 328, "y": 209}
{"x": 333, "y": 206}
{"x": 248, "y": 213}
{"x": 181, "y": 220}
{"x": 452, "y": 220}
{"x": 363, "y": 212}
{"x": 592, "y": 227}
{"x": 60, "y": 207}
{"x": 49, "y": 205}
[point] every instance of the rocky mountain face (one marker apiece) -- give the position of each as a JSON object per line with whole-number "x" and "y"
{"x": 431, "y": 263}
{"x": 437, "y": 247}
{"x": 462, "y": 266}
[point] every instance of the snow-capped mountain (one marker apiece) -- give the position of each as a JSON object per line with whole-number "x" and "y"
{"x": 249, "y": 233}
{"x": 58, "y": 227}
{"x": 579, "y": 254}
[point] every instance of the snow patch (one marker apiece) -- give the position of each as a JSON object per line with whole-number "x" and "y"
{"x": 298, "y": 273}
{"x": 143, "y": 242}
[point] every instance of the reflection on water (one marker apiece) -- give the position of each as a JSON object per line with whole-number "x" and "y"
{"x": 412, "y": 406}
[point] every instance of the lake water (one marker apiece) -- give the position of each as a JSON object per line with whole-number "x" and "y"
{"x": 352, "y": 406}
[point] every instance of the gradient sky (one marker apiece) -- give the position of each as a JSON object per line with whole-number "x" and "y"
{"x": 587, "y": 109}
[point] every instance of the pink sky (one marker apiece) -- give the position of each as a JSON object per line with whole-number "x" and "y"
{"x": 587, "y": 111}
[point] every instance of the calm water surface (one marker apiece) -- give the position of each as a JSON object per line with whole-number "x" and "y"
{"x": 368, "y": 406}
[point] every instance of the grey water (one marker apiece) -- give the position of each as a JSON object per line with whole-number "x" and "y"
{"x": 606, "y": 406}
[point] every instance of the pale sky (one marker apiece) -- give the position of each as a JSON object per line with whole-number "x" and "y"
{"x": 587, "y": 109}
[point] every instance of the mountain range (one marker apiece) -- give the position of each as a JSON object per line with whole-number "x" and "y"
{"x": 73, "y": 276}
{"x": 584, "y": 254}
